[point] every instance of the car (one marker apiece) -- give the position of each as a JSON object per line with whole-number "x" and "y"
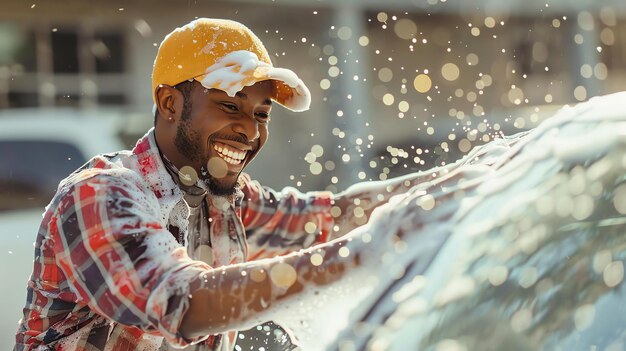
{"x": 38, "y": 148}
{"x": 518, "y": 246}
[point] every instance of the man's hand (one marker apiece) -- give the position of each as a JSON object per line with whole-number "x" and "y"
{"x": 353, "y": 207}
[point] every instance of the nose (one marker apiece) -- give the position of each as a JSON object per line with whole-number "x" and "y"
{"x": 248, "y": 127}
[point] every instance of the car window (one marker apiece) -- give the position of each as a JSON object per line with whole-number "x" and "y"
{"x": 30, "y": 171}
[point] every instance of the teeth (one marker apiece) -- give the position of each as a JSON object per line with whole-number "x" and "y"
{"x": 232, "y": 161}
{"x": 230, "y": 156}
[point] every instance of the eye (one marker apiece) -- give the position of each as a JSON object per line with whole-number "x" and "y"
{"x": 263, "y": 117}
{"x": 230, "y": 107}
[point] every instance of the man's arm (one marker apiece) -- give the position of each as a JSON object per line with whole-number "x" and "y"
{"x": 107, "y": 238}
{"x": 281, "y": 222}
{"x": 353, "y": 206}
{"x": 244, "y": 295}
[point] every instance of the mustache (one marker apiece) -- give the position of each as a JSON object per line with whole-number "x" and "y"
{"x": 236, "y": 138}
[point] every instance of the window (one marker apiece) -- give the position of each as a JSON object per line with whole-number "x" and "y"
{"x": 65, "y": 51}
{"x": 613, "y": 40}
{"x": 61, "y": 65}
{"x": 108, "y": 49}
{"x": 538, "y": 47}
{"x": 31, "y": 170}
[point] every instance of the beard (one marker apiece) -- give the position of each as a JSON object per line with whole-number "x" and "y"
{"x": 188, "y": 142}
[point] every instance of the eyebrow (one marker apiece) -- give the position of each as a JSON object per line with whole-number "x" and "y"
{"x": 245, "y": 96}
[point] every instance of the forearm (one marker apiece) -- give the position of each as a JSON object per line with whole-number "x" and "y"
{"x": 240, "y": 296}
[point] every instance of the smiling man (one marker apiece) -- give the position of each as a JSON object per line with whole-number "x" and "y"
{"x": 215, "y": 134}
{"x": 128, "y": 251}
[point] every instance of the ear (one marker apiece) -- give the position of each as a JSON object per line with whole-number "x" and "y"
{"x": 169, "y": 102}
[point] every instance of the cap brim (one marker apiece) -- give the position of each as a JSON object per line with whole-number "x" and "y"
{"x": 288, "y": 90}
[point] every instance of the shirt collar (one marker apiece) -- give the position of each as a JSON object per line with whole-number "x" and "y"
{"x": 153, "y": 170}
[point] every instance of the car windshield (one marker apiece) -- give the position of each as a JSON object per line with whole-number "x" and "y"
{"x": 30, "y": 171}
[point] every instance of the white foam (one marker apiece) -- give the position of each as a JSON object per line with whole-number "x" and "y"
{"x": 496, "y": 179}
{"x": 231, "y": 74}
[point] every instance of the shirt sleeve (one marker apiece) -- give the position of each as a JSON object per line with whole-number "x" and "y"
{"x": 281, "y": 222}
{"x": 119, "y": 259}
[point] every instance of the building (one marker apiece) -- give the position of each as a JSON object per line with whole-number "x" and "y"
{"x": 397, "y": 85}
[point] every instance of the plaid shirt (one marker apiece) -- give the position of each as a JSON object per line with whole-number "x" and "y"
{"x": 110, "y": 271}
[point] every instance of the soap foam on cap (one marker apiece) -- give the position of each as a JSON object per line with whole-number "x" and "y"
{"x": 243, "y": 68}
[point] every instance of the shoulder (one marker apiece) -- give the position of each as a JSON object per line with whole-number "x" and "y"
{"x": 103, "y": 169}
{"x": 105, "y": 176}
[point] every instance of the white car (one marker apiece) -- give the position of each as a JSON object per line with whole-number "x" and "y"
{"x": 38, "y": 148}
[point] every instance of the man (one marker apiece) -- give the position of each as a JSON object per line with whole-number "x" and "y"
{"x": 127, "y": 253}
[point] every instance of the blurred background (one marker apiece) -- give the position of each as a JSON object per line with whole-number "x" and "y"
{"x": 398, "y": 86}
{"x": 414, "y": 82}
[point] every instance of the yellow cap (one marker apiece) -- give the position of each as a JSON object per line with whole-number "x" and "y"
{"x": 225, "y": 55}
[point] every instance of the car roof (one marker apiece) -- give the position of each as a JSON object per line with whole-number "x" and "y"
{"x": 92, "y": 131}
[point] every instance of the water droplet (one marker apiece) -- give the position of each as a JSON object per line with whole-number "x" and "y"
{"x": 580, "y": 93}
{"x": 344, "y": 33}
{"x": 450, "y": 71}
{"x": 188, "y": 175}
{"x": 388, "y": 99}
{"x": 405, "y": 28}
{"x": 607, "y": 36}
{"x": 583, "y": 207}
{"x": 613, "y": 274}
{"x": 521, "y": 320}
{"x": 584, "y": 316}
{"x": 471, "y": 59}
{"x": 422, "y": 83}
{"x": 586, "y": 21}
{"x": 619, "y": 199}
{"x": 217, "y": 167}
{"x": 601, "y": 260}
{"x": 528, "y": 277}
{"x": 385, "y": 74}
{"x": 601, "y": 71}
{"x": 465, "y": 145}
{"x": 317, "y": 150}
{"x": 310, "y": 157}
{"x": 329, "y": 165}
{"x": 310, "y": 227}
{"x": 283, "y": 275}
{"x": 403, "y": 106}
{"x": 258, "y": 275}
{"x": 334, "y": 71}
{"x": 578, "y": 39}
{"x": 516, "y": 95}
{"x": 325, "y": 84}
{"x": 498, "y": 275}
{"x": 317, "y": 259}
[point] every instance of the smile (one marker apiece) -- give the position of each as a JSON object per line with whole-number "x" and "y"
{"x": 230, "y": 154}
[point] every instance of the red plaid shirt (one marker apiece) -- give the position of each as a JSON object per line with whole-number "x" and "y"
{"x": 110, "y": 275}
